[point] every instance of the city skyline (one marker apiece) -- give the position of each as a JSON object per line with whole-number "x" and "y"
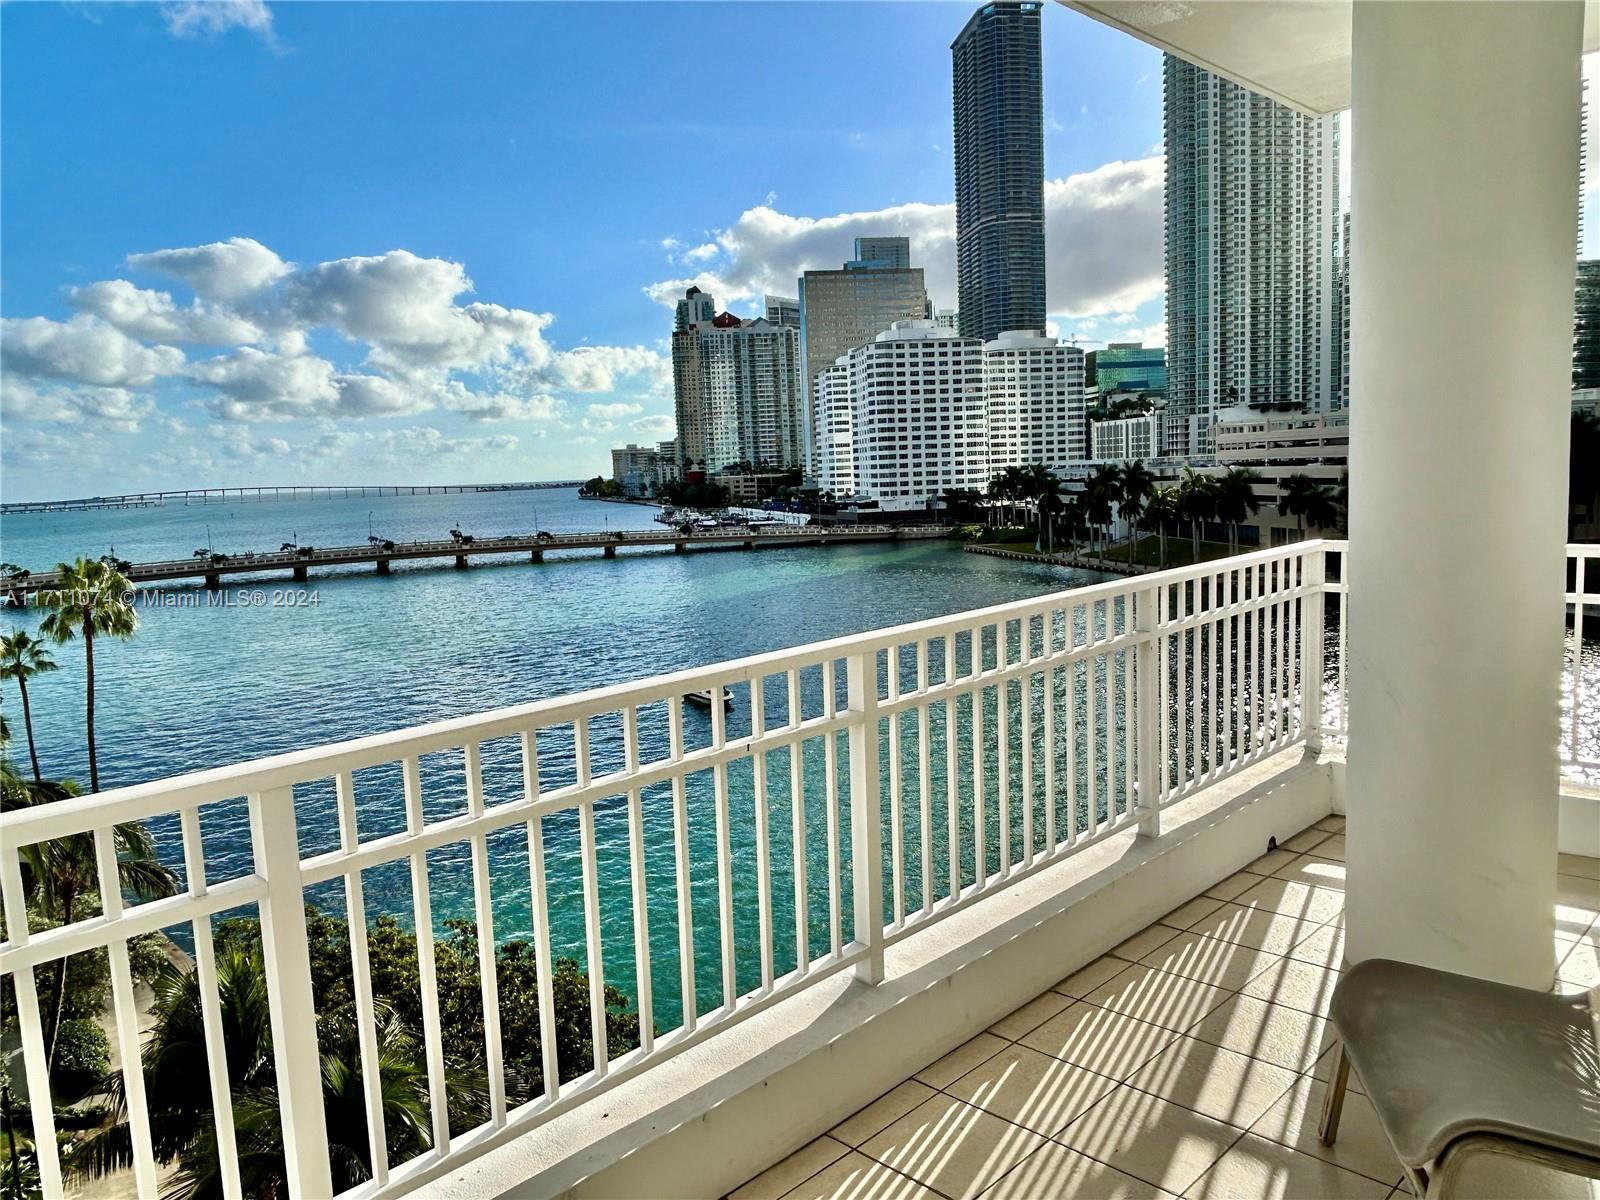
{"x": 383, "y": 361}
{"x": 192, "y": 318}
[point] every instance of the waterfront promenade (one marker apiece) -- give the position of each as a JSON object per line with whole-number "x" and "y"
{"x": 299, "y": 561}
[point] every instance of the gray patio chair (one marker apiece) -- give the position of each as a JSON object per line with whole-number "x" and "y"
{"x": 1458, "y": 1067}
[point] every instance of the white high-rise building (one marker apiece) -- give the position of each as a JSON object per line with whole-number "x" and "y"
{"x": 833, "y": 420}
{"x": 1252, "y": 204}
{"x": 909, "y": 408}
{"x": 737, "y": 391}
{"x": 1033, "y": 397}
{"x": 783, "y": 310}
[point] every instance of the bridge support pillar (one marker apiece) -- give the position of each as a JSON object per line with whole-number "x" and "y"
{"x": 461, "y": 562}
{"x": 213, "y": 581}
{"x": 749, "y": 544}
{"x": 679, "y": 547}
{"x": 383, "y": 566}
{"x": 300, "y": 574}
{"x": 610, "y": 551}
{"x": 536, "y": 556}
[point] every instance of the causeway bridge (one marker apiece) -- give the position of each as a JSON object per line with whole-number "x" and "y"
{"x": 301, "y": 491}
{"x": 298, "y": 562}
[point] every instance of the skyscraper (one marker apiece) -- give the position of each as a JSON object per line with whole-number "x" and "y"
{"x": 783, "y": 310}
{"x": 883, "y": 251}
{"x": 999, "y": 153}
{"x": 1586, "y": 326}
{"x": 843, "y": 309}
{"x": 736, "y": 389}
{"x": 1033, "y": 395}
{"x": 1252, "y": 201}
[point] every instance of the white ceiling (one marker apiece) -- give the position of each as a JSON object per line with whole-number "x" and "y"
{"x": 1295, "y": 51}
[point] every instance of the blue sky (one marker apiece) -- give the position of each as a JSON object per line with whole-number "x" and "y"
{"x": 575, "y": 162}
{"x": 339, "y": 242}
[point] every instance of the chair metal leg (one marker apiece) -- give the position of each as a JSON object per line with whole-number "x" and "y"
{"x": 1333, "y": 1101}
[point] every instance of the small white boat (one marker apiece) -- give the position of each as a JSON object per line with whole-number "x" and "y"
{"x": 702, "y": 698}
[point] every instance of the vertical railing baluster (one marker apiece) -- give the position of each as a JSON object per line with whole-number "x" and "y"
{"x": 980, "y": 750}
{"x": 641, "y": 892}
{"x": 1147, "y": 702}
{"x": 488, "y": 967}
{"x": 355, "y": 911}
{"x": 427, "y": 969}
{"x": 797, "y": 801}
{"x": 1093, "y": 725}
{"x": 539, "y": 910}
{"x": 30, "y": 1028}
{"x": 724, "y": 846}
{"x": 1313, "y": 580}
{"x": 1025, "y": 694}
{"x": 1071, "y": 674}
{"x": 1049, "y": 743}
{"x": 680, "y": 835}
{"x": 763, "y": 833}
{"x": 1002, "y": 707}
{"x": 952, "y": 765}
{"x": 866, "y": 811}
{"x": 924, "y": 783}
{"x": 205, "y": 966}
{"x": 126, "y": 1014}
{"x": 286, "y": 953}
{"x": 589, "y": 862}
{"x": 830, "y": 764}
{"x": 897, "y": 819}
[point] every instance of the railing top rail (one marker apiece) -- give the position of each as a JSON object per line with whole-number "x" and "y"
{"x": 138, "y": 801}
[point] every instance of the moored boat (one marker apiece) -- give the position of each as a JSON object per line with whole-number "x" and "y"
{"x": 702, "y": 698}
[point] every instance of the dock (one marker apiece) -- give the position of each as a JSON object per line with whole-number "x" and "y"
{"x": 299, "y": 562}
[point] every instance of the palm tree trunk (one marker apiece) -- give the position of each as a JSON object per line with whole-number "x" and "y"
{"x": 88, "y": 656}
{"x": 61, "y": 987}
{"x": 27, "y": 723}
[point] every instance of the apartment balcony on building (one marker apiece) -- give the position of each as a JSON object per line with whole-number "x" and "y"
{"x": 1045, "y": 899}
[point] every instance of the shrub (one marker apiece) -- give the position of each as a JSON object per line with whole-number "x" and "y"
{"x": 83, "y": 1056}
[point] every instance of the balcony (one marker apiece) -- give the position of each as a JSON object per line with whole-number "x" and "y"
{"x": 824, "y": 892}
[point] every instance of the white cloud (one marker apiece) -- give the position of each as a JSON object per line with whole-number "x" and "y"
{"x": 656, "y": 425}
{"x": 255, "y": 384}
{"x": 702, "y": 252}
{"x": 153, "y": 316}
{"x": 113, "y": 407}
{"x": 404, "y": 306}
{"x": 596, "y": 368}
{"x": 229, "y": 272}
{"x": 613, "y": 412}
{"x": 1103, "y": 244}
{"x": 209, "y": 18}
{"x": 83, "y": 350}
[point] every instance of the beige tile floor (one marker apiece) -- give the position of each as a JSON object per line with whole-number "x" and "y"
{"x": 1187, "y": 1062}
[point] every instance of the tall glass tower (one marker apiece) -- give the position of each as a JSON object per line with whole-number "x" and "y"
{"x": 1252, "y": 205}
{"x": 999, "y": 151}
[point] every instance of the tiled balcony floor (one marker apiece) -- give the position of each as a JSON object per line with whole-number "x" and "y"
{"x": 1188, "y": 1061}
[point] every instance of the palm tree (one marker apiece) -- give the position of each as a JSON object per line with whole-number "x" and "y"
{"x": 1100, "y": 493}
{"x": 1309, "y": 501}
{"x": 1236, "y": 500}
{"x": 22, "y": 656}
{"x": 182, "y": 1128}
{"x": 1197, "y": 495}
{"x": 1134, "y": 483}
{"x": 90, "y": 600}
{"x": 1162, "y": 509}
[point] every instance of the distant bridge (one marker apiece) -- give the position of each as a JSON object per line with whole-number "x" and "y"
{"x": 285, "y": 491}
{"x": 299, "y": 562}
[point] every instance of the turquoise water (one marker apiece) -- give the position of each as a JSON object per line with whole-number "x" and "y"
{"x": 205, "y": 686}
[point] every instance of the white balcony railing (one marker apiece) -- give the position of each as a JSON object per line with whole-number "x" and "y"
{"x": 854, "y": 791}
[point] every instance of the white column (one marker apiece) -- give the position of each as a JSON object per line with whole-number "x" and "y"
{"x": 1464, "y": 216}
